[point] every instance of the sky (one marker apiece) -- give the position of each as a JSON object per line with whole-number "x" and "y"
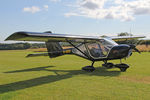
{"x": 80, "y": 17}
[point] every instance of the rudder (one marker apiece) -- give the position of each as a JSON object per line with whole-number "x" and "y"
{"x": 54, "y": 49}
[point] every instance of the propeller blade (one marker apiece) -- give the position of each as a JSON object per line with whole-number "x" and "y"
{"x": 137, "y": 50}
{"x": 134, "y": 48}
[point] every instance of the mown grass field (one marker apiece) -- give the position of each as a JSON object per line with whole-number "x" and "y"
{"x": 61, "y": 78}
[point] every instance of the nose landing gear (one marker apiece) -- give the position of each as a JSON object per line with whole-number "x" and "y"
{"x": 123, "y": 67}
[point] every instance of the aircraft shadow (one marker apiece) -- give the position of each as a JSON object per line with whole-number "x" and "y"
{"x": 100, "y": 71}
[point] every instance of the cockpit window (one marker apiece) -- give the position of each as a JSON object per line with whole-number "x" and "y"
{"x": 95, "y": 50}
{"x": 100, "y": 49}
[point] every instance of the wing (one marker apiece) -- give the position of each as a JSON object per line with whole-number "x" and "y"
{"x": 36, "y": 36}
{"x": 123, "y": 38}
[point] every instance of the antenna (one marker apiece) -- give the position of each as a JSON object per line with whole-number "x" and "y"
{"x": 131, "y": 30}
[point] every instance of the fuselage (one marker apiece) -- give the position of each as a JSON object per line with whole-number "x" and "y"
{"x": 102, "y": 50}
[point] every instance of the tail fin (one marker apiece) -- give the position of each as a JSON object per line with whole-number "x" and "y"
{"x": 54, "y": 49}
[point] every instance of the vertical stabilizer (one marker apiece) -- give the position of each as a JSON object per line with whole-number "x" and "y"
{"x": 54, "y": 49}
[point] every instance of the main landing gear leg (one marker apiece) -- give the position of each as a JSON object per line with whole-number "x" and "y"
{"x": 89, "y": 68}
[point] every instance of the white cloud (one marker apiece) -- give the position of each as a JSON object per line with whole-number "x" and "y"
{"x": 111, "y": 9}
{"x": 55, "y": 0}
{"x": 46, "y": 7}
{"x": 71, "y": 14}
{"x": 32, "y": 9}
{"x": 35, "y": 9}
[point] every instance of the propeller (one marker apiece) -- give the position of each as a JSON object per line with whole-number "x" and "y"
{"x": 132, "y": 46}
{"x": 133, "y": 43}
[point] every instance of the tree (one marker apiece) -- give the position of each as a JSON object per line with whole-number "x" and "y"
{"x": 132, "y": 41}
{"x": 125, "y": 34}
{"x": 27, "y": 45}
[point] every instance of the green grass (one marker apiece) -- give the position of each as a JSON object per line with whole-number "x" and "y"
{"x": 61, "y": 78}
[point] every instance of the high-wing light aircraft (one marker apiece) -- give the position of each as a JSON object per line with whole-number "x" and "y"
{"x": 92, "y": 48}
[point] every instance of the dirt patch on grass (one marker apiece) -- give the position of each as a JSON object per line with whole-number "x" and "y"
{"x": 136, "y": 79}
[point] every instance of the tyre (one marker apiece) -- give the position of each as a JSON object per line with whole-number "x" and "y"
{"x": 122, "y": 67}
{"x": 88, "y": 68}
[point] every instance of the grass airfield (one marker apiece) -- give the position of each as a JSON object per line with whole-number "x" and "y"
{"x": 61, "y": 78}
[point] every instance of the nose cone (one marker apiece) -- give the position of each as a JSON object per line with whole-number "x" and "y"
{"x": 119, "y": 51}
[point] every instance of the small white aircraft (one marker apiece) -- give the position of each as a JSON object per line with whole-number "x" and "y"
{"x": 93, "y": 48}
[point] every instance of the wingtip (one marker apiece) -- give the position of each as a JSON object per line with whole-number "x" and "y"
{"x": 15, "y": 36}
{"x": 6, "y": 39}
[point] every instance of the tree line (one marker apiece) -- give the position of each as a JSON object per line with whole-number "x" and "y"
{"x": 132, "y": 41}
{"x": 21, "y": 46}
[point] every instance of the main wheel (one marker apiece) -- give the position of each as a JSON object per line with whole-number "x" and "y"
{"x": 88, "y": 68}
{"x": 108, "y": 65}
{"x": 122, "y": 67}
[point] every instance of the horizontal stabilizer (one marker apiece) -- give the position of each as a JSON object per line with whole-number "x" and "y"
{"x": 37, "y": 54}
{"x": 51, "y": 54}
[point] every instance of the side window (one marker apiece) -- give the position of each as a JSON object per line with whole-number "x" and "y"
{"x": 104, "y": 49}
{"x": 82, "y": 48}
{"x": 95, "y": 50}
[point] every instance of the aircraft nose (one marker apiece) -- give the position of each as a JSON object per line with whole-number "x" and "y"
{"x": 119, "y": 51}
